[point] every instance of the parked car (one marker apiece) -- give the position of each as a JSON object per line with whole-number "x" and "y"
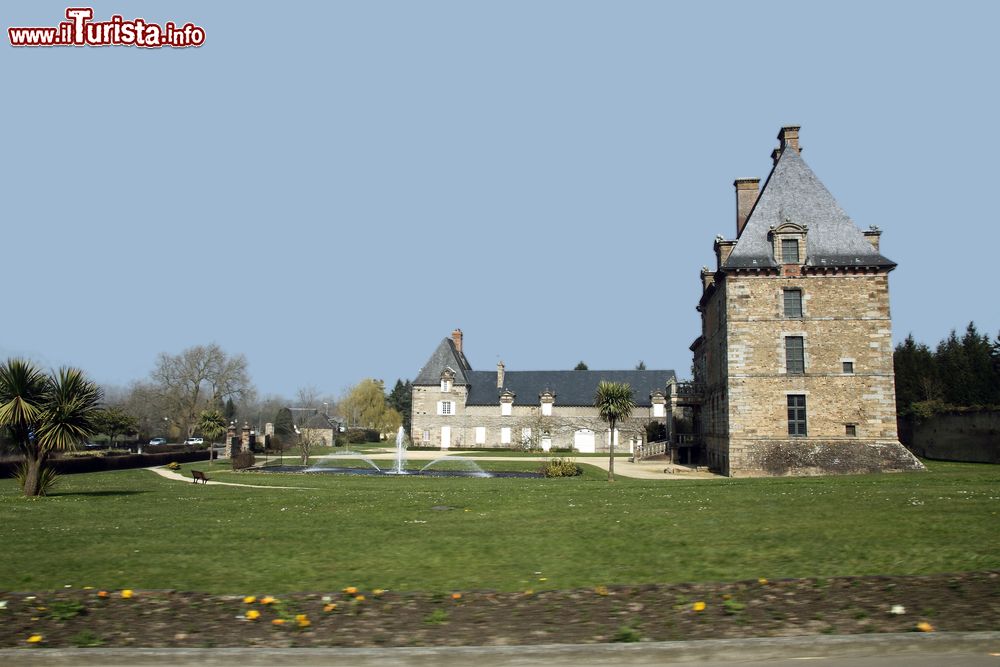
{"x": 195, "y": 441}
{"x": 158, "y": 441}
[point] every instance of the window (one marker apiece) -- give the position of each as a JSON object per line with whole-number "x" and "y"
{"x": 445, "y": 407}
{"x": 793, "y": 303}
{"x": 480, "y": 435}
{"x": 505, "y": 435}
{"x": 659, "y": 410}
{"x": 427, "y": 436}
{"x": 789, "y": 251}
{"x": 848, "y": 367}
{"x": 795, "y": 363}
{"x": 505, "y": 409}
{"x": 796, "y": 415}
{"x": 446, "y": 386}
{"x": 851, "y": 430}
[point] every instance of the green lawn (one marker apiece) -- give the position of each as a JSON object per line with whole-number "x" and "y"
{"x": 135, "y": 529}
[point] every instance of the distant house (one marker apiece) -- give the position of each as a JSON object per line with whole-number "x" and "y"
{"x": 455, "y": 406}
{"x": 320, "y": 428}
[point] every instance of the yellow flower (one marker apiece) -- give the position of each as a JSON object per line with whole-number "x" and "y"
{"x": 359, "y": 598}
{"x": 378, "y": 592}
{"x": 250, "y": 599}
{"x": 762, "y": 580}
{"x": 253, "y": 615}
{"x": 278, "y": 621}
{"x": 456, "y": 596}
{"x": 698, "y": 606}
{"x": 34, "y": 639}
{"x": 267, "y": 599}
{"x": 601, "y": 590}
{"x": 924, "y": 626}
{"x": 127, "y": 593}
{"x": 300, "y": 617}
{"x": 330, "y": 607}
{"x": 303, "y": 620}
{"x": 351, "y": 590}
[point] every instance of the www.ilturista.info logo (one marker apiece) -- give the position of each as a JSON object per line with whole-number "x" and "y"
{"x": 80, "y": 30}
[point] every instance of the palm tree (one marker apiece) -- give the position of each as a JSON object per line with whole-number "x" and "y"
{"x": 615, "y": 404}
{"x": 212, "y": 424}
{"x": 43, "y": 413}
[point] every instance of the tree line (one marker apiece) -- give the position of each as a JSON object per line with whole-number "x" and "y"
{"x": 959, "y": 372}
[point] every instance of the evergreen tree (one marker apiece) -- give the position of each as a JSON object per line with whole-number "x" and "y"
{"x": 229, "y": 410}
{"x": 400, "y": 399}
{"x": 581, "y": 367}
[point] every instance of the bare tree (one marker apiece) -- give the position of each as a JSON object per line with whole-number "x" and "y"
{"x": 197, "y": 377}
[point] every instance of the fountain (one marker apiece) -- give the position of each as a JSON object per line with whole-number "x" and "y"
{"x": 400, "y": 468}
{"x": 466, "y": 467}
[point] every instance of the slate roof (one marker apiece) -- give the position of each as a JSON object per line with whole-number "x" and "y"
{"x": 569, "y": 387}
{"x": 446, "y": 355}
{"x": 794, "y": 194}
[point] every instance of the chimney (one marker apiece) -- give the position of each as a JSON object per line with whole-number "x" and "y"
{"x": 747, "y": 191}
{"x": 456, "y": 337}
{"x": 788, "y": 137}
{"x": 872, "y": 234}
{"x": 500, "y": 375}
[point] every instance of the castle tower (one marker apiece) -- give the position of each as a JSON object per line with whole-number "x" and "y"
{"x": 795, "y": 354}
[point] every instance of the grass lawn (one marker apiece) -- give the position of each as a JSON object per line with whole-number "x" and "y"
{"x": 134, "y": 529}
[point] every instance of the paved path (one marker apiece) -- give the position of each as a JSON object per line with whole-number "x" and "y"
{"x": 170, "y": 474}
{"x": 973, "y": 649}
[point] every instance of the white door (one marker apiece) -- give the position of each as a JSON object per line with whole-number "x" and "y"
{"x": 583, "y": 441}
{"x": 445, "y": 437}
{"x": 546, "y": 443}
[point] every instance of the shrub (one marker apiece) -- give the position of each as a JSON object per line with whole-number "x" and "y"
{"x": 47, "y": 477}
{"x": 174, "y": 465}
{"x": 560, "y": 467}
{"x": 243, "y": 460}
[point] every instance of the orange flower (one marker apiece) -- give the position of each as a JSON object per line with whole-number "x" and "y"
{"x": 250, "y": 599}
{"x": 924, "y": 626}
{"x": 698, "y": 606}
{"x": 330, "y": 607}
{"x": 278, "y": 621}
{"x": 303, "y": 620}
{"x": 351, "y": 590}
{"x": 253, "y": 615}
{"x": 34, "y": 639}
{"x": 102, "y": 594}
{"x": 127, "y": 593}
{"x": 456, "y": 596}
{"x": 267, "y": 599}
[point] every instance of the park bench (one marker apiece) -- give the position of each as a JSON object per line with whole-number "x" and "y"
{"x": 198, "y": 476}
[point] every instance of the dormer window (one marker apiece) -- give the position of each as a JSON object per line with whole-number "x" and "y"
{"x": 506, "y": 403}
{"x": 546, "y": 398}
{"x": 788, "y": 242}
{"x": 447, "y": 380}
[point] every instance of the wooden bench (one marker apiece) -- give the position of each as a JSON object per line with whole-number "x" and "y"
{"x": 198, "y": 476}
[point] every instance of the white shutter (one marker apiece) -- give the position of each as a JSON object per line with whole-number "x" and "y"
{"x": 505, "y": 435}
{"x": 480, "y": 435}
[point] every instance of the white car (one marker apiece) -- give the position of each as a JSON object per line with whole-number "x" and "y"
{"x": 195, "y": 441}
{"x": 158, "y": 441}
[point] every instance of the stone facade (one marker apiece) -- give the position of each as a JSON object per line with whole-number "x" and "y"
{"x": 795, "y": 356}
{"x": 456, "y": 407}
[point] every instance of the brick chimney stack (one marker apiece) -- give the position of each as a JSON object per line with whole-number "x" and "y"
{"x": 789, "y": 136}
{"x": 456, "y": 337}
{"x": 500, "y": 368}
{"x": 747, "y": 191}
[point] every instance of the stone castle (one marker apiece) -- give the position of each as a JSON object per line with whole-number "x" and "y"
{"x": 793, "y": 369}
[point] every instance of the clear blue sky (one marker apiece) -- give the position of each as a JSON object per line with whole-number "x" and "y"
{"x": 331, "y": 188}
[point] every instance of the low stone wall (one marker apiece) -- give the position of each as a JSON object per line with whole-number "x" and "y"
{"x": 970, "y": 437}
{"x": 791, "y": 457}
